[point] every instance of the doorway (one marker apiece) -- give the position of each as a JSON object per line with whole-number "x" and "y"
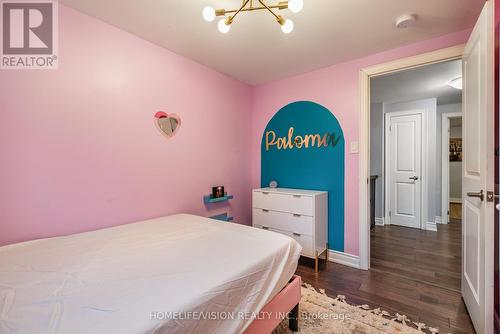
{"x": 418, "y": 109}
{"x": 477, "y": 177}
{"x": 367, "y": 132}
{"x": 406, "y": 113}
{"x": 451, "y": 162}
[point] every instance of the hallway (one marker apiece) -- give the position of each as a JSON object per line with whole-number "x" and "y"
{"x": 423, "y": 256}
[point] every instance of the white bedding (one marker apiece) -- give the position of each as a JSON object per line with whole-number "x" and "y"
{"x": 127, "y": 279}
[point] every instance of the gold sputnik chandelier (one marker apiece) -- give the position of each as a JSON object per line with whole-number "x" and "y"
{"x": 224, "y": 25}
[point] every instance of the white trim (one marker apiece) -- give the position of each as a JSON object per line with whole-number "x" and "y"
{"x": 438, "y": 220}
{"x": 431, "y": 226}
{"x": 387, "y": 183}
{"x": 445, "y": 163}
{"x": 455, "y": 200}
{"x": 343, "y": 258}
{"x": 364, "y": 171}
{"x": 365, "y": 74}
{"x": 424, "y": 166}
{"x": 379, "y": 221}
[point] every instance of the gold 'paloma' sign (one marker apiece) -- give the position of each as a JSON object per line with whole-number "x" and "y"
{"x": 305, "y": 141}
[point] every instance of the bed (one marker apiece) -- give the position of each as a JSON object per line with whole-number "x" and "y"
{"x": 174, "y": 274}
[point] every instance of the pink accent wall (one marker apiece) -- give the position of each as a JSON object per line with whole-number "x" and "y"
{"x": 79, "y": 150}
{"x": 336, "y": 88}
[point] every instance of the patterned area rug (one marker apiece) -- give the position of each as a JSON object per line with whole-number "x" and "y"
{"x": 322, "y": 314}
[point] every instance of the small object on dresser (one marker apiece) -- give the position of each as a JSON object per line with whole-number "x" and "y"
{"x": 273, "y": 184}
{"x": 218, "y": 192}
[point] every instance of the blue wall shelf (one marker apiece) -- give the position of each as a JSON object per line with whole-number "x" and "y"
{"x": 210, "y": 199}
{"x": 223, "y": 217}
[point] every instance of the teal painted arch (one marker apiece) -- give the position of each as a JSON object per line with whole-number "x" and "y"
{"x": 319, "y": 166}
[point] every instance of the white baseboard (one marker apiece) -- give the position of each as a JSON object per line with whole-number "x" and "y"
{"x": 379, "y": 221}
{"x": 455, "y": 200}
{"x": 343, "y": 258}
{"x": 438, "y": 220}
{"x": 431, "y": 226}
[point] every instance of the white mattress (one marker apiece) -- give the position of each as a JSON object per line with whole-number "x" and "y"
{"x": 127, "y": 279}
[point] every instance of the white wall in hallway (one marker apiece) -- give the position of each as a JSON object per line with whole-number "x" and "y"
{"x": 446, "y": 108}
{"x": 456, "y": 169}
{"x": 376, "y": 156}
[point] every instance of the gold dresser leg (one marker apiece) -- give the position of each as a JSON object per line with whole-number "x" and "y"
{"x": 316, "y": 267}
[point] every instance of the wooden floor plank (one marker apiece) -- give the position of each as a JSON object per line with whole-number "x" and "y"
{"x": 413, "y": 272}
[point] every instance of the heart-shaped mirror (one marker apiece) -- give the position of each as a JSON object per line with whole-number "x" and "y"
{"x": 168, "y": 124}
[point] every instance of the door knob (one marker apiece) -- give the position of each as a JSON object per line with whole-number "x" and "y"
{"x": 414, "y": 178}
{"x": 479, "y": 195}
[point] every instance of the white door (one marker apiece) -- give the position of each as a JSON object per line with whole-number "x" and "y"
{"x": 405, "y": 164}
{"x": 478, "y": 173}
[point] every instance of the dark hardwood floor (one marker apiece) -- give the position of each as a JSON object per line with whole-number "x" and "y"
{"x": 413, "y": 272}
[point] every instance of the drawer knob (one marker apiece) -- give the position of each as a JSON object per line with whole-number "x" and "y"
{"x": 265, "y": 227}
{"x": 298, "y": 196}
{"x": 297, "y": 215}
{"x": 265, "y": 192}
{"x": 296, "y": 234}
{"x": 265, "y": 210}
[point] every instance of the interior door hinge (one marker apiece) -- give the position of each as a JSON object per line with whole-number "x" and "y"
{"x": 390, "y": 213}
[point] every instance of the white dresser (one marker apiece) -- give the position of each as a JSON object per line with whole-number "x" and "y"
{"x": 300, "y": 214}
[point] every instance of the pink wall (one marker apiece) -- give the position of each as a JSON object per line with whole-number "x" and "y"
{"x": 78, "y": 147}
{"x": 336, "y": 88}
{"x": 80, "y": 152}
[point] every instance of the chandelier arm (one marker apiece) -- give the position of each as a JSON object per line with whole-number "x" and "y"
{"x": 270, "y": 10}
{"x": 254, "y": 8}
{"x": 239, "y": 10}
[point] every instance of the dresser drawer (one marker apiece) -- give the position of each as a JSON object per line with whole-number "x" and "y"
{"x": 284, "y": 221}
{"x": 284, "y": 202}
{"x": 304, "y": 240}
{"x": 307, "y": 244}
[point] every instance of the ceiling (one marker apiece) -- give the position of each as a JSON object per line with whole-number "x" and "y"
{"x": 255, "y": 51}
{"x": 420, "y": 83}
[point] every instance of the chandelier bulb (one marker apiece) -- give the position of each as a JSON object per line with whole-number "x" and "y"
{"x": 209, "y": 14}
{"x": 295, "y": 5}
{"x": 287, "y": 27}
{"x": 224, "y": 26}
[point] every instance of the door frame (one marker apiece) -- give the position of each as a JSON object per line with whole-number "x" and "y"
{"x": 445, "y": 164}
{"x": 423, "y": 165}
{"x": 365, "y": 74}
